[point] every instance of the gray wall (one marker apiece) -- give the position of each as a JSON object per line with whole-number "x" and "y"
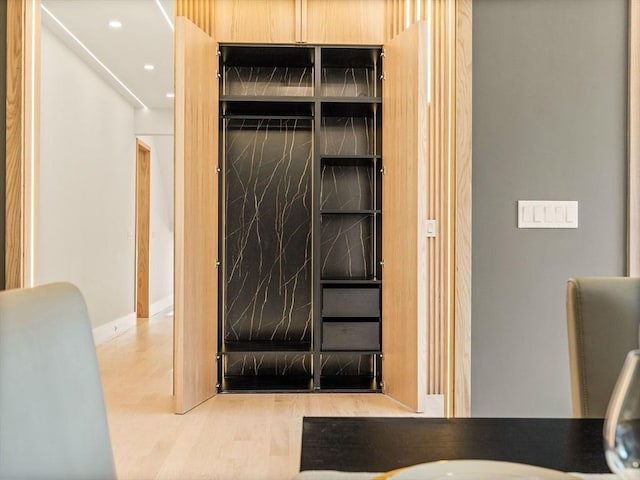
{"x": 549, "y": 123}
{"x": 3, "y": 95}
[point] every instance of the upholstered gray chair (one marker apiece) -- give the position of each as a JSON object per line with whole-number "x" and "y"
{"x": 53, "y": 422}
{"x": 603, "y": 314}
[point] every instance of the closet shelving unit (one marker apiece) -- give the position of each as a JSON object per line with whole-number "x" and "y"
{"x": 301, "y": 206}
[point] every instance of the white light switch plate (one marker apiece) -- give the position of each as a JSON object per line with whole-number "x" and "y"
{"x": 547, "y": 214}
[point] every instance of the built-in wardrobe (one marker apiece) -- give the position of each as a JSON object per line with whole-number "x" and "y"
{"x": 300, "y": 176}
{"x": 299, "y": 246}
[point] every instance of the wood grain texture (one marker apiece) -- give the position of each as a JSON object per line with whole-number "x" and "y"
{"x": 196, "y": 216}
{"x": 22, "y": 140}
{"x": 14, "y": 145}
{"x": 633, "y": 245}
{"x": 349, "y": 22}
{"x": 229, "y": 437}
{"x": 251, "y": 21}
{"x": 463, "y": 157}
{"x": 200, "y": 12}
{"x": 143, "y": 216}
{"x": 404, "y": 213}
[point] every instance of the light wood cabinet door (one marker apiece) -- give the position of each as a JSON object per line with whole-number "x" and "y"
{"x": 404, "y": 214}
{"x": 344, "y": 22}
{"x": 196, "y": 216}
{"x": 256, "y": 21}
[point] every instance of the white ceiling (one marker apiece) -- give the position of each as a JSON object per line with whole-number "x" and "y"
{"x": 145, "y": 38}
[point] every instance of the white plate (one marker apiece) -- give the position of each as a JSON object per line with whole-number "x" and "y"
{"x": 476, "y": 470}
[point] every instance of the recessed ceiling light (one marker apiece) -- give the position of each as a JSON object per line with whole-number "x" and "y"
{"x": 115, "y": 24}
{"x": 149, "y": 67}
{"x": 171, "y": 95}
{"x": 92, "y": 55}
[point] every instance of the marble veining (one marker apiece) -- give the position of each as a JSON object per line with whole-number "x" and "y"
{"x": 346, "y": 187}
{"x": 268, "y": 364}
{"x": 347, "y": 135}
{"x": 347, "y": 82}
{"x": 347, "y": 364}
{"x": 268, "y": 81}
{"x": 267, "y": 238}
{"x": 346, "y": 246}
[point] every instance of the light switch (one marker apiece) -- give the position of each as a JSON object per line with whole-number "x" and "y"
{"x": 560, "y": 216}
{"x": 432, "y": 228}
{"x": 538, "y": 213}
{"x": 547, "y": 214}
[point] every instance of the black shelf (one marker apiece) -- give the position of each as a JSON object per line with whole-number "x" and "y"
{"x": 355, "y": 281}
{"x": 266, "y": 98}
{"x": 266, "y": 383}
{"x": 349, "y": 383}
{"x": 344, "y": 108}
{"x": 358, "y": 352}
{"x": 350, "y": 157}
{"x": 266, "y": 347}
{"x": 366, "y": 100}
{"x": 266, "y": 108}
{"x": 349, "y": 212}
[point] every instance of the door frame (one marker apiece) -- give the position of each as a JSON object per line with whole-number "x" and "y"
{"x": 143, "y": 230}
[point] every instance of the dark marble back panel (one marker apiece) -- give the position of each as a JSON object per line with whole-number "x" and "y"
{"x": 268, "y": 364}
{"x": 346, "y": 364}
{"x": 347, "y": 82}
{"x": 268, "y": 81}
{"x": 268, "y": 230}
{"x": 346, "y": 246}
{"x": 346, "y": 186}
{"x": 347, "y": 136}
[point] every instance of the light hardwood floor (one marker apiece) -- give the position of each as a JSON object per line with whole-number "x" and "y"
{"x": 230, "y": 437}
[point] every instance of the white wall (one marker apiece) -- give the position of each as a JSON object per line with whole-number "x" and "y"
{"x": 87, "y": 189}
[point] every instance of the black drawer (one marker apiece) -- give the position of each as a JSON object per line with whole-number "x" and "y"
{"x": 350, "y": 302}
{"x": 350, "y": 336}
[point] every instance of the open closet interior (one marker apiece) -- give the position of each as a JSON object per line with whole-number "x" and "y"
{"x": 301, "y": 218}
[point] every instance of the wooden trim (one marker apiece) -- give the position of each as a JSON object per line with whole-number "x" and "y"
{"x": 22, "y": 140}
{"x": 143, "y": 202}
{"x": 633, "y": 136}
{"x": 200, "y": 12}
{"x": 301, "y": 21}
{"x": 461, "y": 361}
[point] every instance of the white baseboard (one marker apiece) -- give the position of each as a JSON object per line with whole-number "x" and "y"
{"x": 161, "y": 305}
{"x": 113, "y": 328}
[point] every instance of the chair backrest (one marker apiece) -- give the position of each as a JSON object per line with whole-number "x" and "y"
{"x": 53, "y": 421}
{"x": 603, "y": 314}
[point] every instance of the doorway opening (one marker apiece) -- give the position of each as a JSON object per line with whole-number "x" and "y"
{"x": 143, "y": 200}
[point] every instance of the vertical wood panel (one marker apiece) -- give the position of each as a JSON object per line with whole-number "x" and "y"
{"x": 196, "y": 216}
{"x": 404, "y": 303}
{"x": 22, "y": 140}
{"x": 633, "y": 249}
{"x": 350, "y": 22}
{"x": 14, "y": 146}
{"x": 448, "y": 194}
{"x": 200, "y": 12}
{"x": 462, "y": 339}
{"x": 251, "y": 21}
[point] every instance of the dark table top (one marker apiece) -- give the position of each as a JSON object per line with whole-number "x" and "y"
{"x": 381, "y": 444}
